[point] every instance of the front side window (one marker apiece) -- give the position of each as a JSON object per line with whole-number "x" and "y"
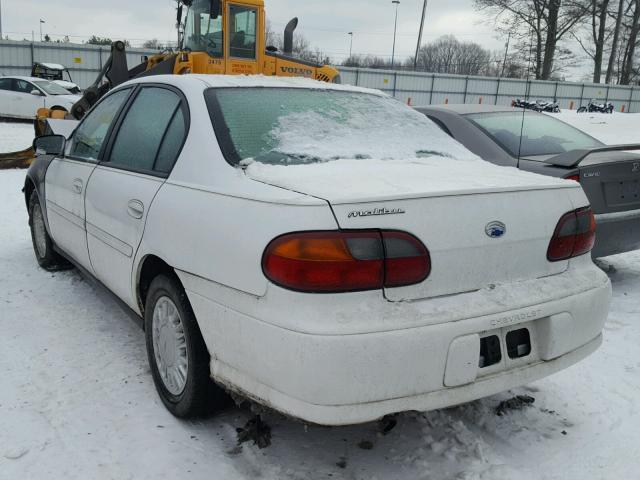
{"x": 242, "y": 34}
{"x": 89, "y": 137}
{"x": 22, "y": 86}
{"x": 289, "y": 126}
{"x": 202, "y": 32}
{"x": 541, "y": 134}
{"x": 153, "y": 129}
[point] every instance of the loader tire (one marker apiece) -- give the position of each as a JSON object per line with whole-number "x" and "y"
{"x": 46, "y": 256}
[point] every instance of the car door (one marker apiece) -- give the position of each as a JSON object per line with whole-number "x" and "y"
{"x": 6, "y": 97}
{"x": 141, "y": 153}
{"x": 25, "y": 103}
{"x": 67, "y": 177}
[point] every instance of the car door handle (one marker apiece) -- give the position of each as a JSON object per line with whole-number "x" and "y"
{"x": 135, "y": 208}
{"x": 77, "y": 185}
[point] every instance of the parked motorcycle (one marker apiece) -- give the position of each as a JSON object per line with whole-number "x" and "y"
{"x": 538, "y": 105}
{"x": 597, "y": 107}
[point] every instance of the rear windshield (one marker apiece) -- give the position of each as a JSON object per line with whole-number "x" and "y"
{"x": 541, "y": 134}
{"x": 50, "y": 87}
{"x": 292, "y": 126}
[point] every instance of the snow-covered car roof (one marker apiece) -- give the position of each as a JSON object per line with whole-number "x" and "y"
{"x": 226, "y": 81}
{"x": 28, "y": 79}
{"x": 52, "y": 66}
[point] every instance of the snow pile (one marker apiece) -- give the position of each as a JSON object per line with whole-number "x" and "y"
{"x": 611, "y": 129}
{"x": 363, "y": 126}
{"x": 15, "y": 137}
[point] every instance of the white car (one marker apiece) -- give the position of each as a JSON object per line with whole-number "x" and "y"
{"x": 322, "y": 250}
{"x": 21, "y": 97}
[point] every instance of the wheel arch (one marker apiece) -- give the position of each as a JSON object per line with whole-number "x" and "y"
{"x": 150, "y": 267}
{"x": 35, "y": 182}
{"x": 28, "y": 189}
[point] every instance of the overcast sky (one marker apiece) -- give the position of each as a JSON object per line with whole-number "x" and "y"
{"x": 325, "y": 23}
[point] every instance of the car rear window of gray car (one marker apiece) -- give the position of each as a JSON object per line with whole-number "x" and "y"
{"x": 541, "y": 134}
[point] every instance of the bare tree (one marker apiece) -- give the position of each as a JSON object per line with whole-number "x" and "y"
{"x": 302, "y": 47}
{"x": 627, "y": 73}
{"x": 152, "y": 44}
{"x": 615, "y": 42}
{"x": 449, "y": 55}
{"x": 598, "y": 35}
{"x": 541, "y": 24}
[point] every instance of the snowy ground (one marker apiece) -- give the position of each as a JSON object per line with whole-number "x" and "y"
{"x": 77, "y": 400}
{"x": 15, "y": 136}
{"x": 612, "y": 129}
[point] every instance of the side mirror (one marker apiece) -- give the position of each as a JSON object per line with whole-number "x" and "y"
{"x": 49, "y": 145}
{"x": 36, "y": 93}
{"x": 216, "y": 9}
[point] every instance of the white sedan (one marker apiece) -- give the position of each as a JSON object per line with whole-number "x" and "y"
{"x": 322, "y": 250}
{"x": 21, "y": 97}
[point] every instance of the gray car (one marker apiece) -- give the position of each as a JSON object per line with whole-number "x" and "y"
{"x": 609, "y": 175}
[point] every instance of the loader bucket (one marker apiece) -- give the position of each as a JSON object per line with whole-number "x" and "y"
{"x": 43, "y": 115}
{"x": 20, "y": 159}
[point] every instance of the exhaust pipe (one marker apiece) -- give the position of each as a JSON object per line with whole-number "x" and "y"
{"x": 288, "y": 36}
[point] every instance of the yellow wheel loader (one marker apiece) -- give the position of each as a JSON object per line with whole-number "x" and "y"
{"x": 218, "y": 37}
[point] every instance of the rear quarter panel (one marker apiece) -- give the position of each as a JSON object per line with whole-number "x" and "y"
{"x": 221, "y": 237}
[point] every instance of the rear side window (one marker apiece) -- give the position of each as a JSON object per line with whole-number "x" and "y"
{"x": 152, "y": 129}
{"x": 5, "y": 84}
{"x": 171, "y": 143}
{"x": 89, "y": 137}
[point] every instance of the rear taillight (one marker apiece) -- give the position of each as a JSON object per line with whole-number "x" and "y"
{"x": 575, "y": 178}
{"x": 346, "y": 261}
{"x": 574, "y": 235}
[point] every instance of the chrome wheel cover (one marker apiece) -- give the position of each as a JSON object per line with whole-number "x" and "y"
{"x": 39, "y": 231}
{"x": 170, "y": 345}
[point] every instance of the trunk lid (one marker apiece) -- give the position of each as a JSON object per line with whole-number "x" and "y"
{"x": 611, "y": 181}
{"x": 450, "y": 206}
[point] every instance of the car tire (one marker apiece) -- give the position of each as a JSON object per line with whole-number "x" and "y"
{"x": 177, "y": 354}
{"x": 46, "y": 256}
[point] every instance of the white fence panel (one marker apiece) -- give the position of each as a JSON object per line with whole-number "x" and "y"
{"x": 419, "y": 88}
{"x": 83, "y": 61}
{"x": 428, "y": 88}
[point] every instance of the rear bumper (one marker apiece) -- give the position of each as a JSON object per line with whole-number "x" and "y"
{"x": 334, "y": 379}
{"x": 617, "y": 233}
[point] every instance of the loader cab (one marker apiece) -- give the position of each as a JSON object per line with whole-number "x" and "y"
{"x": 228, "y": 37}
{"x": 228, "y": 33}
{"x": 203, "y": 31}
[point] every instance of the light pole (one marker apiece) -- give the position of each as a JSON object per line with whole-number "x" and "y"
{"x": 424, "y": 12}
{"x": 41, "y": 22}
{"x": 351, "y": 44}
{"x": 395, "y": 29}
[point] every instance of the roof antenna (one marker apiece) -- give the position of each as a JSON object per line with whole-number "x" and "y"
{"x": 526, "y": 95}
